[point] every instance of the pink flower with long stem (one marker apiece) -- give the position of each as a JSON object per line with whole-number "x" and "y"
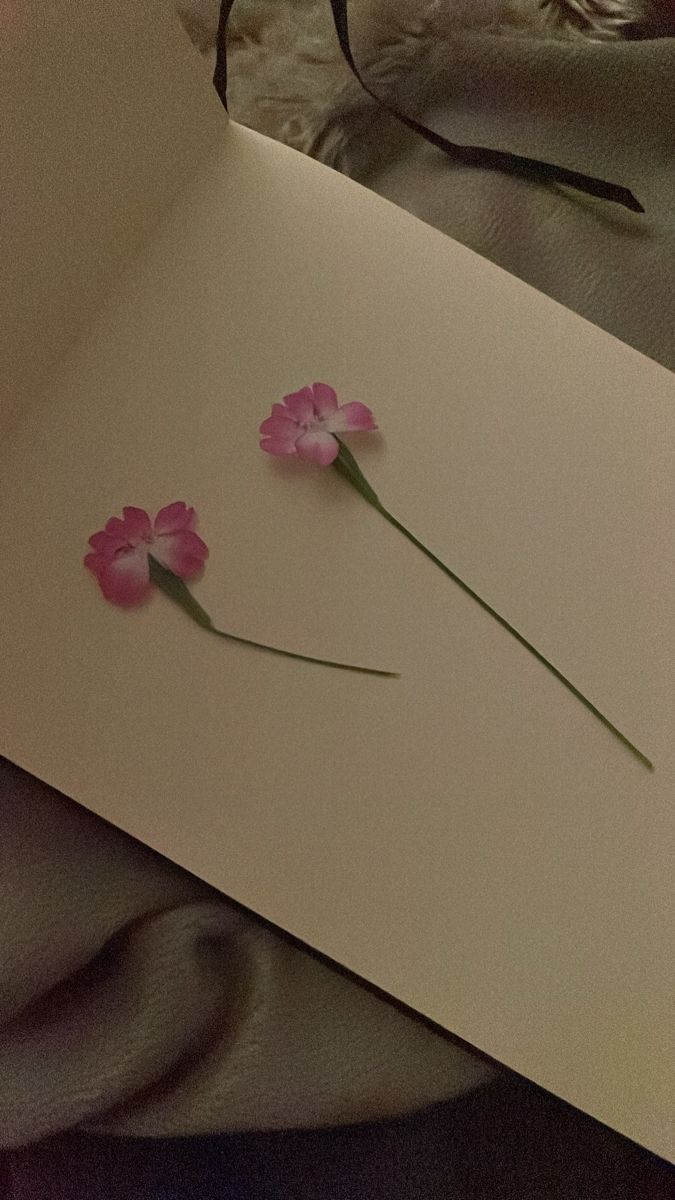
{"x": 133, "y": 553}
{"x": 308, "y": 424}
{"x": 121, "y": 552}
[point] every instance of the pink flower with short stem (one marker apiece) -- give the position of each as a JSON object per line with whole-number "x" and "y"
{"x": 120, "y": 557}
{"x": 133, "y": 553}
{"x": 306, "y": 422}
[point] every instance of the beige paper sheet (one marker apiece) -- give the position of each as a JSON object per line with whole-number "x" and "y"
{"x": 94, "y": 145}
{"x": 468, "y": 838}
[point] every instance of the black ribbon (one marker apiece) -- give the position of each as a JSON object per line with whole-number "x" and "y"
{"x": 479, "y": 156}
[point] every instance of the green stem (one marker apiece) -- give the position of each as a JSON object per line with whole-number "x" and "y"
{"x": 349, "y": 469}
{"x": 177, "y": 590}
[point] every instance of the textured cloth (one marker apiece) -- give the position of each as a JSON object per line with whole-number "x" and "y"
{"x": 134, "y": 1000}
{"x": 506, "y": 1141}
{"x": 608, "y": 110}
{"x": 500, "y": 74}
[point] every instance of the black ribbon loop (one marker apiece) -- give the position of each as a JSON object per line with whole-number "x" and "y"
{"x": 480, "y": 156}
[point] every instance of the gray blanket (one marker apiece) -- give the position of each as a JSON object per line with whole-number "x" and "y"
{"x": 535, "y": 79}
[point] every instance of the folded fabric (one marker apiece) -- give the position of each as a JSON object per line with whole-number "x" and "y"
{"x": 554, "y": 82}
{"x": 134, "y": 1000}
{"x": 505, "y": 1141}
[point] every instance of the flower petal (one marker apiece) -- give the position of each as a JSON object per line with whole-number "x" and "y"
{"x": 116, "y": 528}
{"x": 301, "y": 405}
{"x": 351, "y": 418}
{"x": 125, "y": 579}
{"x": 324, "y": 398}
{"x": 317, "y": 447}
{"x": 95, "y": 562}
{"x": 107, "y": 544}
{"x": 279, "y": 436}
{"x": 137, "y": 524}
{"x": 174, "y": 517}
{"x": 280, "y": 449}
{"x": 283, "y": 427}
{"x": 280, "y": 410}
{"x": 182, "y": 552}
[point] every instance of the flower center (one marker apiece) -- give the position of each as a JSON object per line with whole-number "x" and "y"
{"x": 147, "y": 540}
{"x": 313, "y": 424}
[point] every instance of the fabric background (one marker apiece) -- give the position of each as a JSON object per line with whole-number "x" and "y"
{"x": 135, "y": 1000}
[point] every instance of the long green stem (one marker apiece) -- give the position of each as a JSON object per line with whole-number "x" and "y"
{"x": 177, "y": 590}
{"x": 349, "y": 469}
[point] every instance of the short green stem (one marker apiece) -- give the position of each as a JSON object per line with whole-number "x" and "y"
{"x": 347, "y": 466}
{"x": 178, "y": 591}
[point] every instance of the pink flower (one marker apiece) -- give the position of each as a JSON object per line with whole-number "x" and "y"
{"x": 119, "y": 557}
{"x": 306, "y": 422}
